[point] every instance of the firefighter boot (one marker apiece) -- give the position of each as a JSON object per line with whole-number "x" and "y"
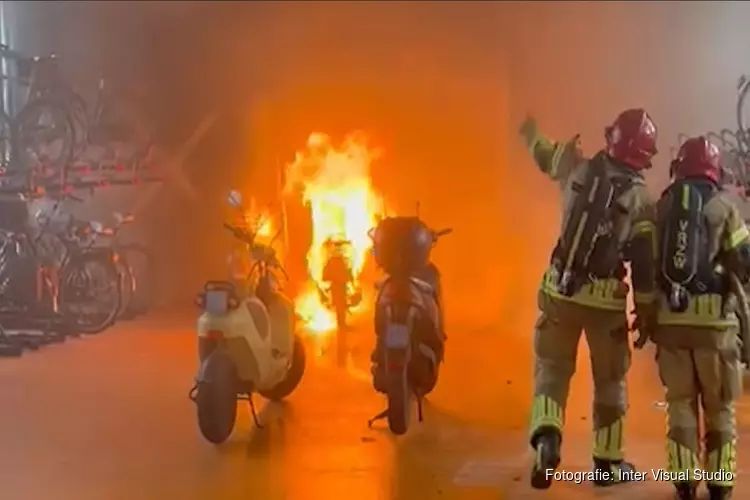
{"x": 685, "y": 491}
{"x": 546, "y": 445}
{"x": 719, "y": 492}
{"x": 612, "y": 472}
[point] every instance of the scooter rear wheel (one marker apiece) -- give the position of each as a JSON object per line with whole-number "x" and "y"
{"x": 293, "y": 376}
{"x": 342, "y": 345}
{"x": 399, "y": 402}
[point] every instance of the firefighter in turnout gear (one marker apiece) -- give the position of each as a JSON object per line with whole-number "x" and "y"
{"x": 608, "y": 220}
{"x": 703, "y": 249}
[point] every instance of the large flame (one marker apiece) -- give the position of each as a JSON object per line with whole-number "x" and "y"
{"x": 259, "y": 221}
{"x": 335, "y": 184}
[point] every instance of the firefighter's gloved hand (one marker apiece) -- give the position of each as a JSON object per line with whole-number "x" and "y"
{"x": 645, "y": 328}
{"x": 574, "y": 149}
{"x": 528, "y": 129}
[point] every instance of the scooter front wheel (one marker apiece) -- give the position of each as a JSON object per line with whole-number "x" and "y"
{"x": 216, "y": 398}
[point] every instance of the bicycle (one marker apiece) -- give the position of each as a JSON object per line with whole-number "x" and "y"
{"x": 135, "y": 264}
{"x": 74, "y": 123}
{"x": 82, "y": 275}
{"x": 25, "y": 300}
{"x": 43, "y": 131}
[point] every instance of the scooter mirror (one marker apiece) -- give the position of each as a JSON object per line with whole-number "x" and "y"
{"x": 41, "y": 217}
{"x": 235, "y": 198}
{"x": 97, "y": 227}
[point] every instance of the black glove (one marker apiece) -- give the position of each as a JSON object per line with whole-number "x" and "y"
{"x": 528, "y": 129}
{"x": 644, "y": 329}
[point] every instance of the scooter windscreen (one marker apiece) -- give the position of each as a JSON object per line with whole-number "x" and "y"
{"x": 217, "y": 301}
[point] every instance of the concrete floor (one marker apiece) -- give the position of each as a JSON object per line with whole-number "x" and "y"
{"x": 108, "y": 418}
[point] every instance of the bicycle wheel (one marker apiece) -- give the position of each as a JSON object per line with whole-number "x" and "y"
{"x": 43, "y": 134}
{"x": 90, "y": 292}
{"x": 743, "y": 88}
{"x": 127, "y": 289}
{"x": 139, "y": 261}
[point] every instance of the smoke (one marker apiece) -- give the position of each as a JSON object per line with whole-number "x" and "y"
{"x": 440, "y": 87}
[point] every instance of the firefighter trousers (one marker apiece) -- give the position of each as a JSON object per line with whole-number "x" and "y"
{"x": 556, "y": 339}
{"x": 705, "y": 377}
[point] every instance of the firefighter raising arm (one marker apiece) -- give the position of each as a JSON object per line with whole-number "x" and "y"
{"x": 555, "y": 159}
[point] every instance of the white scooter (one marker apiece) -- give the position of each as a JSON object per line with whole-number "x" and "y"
{"x": 246, "y": 345}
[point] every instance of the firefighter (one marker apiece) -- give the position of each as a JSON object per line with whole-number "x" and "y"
{"x": 608, "y": 220}
{"x": 704, "y": 248}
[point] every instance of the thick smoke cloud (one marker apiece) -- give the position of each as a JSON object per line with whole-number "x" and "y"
{"x": 440, "y": 86}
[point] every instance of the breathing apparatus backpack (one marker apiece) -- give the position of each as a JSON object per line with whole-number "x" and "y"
{"x": 588, "y": 248}
{"x": 685, "y": 267}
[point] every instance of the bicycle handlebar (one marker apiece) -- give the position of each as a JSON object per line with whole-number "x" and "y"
{"x": 275, "y": 265}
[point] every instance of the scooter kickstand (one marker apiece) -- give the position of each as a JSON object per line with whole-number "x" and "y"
{"x": 253, "y": 412}
{"x": 380, "y": 416}
{"x": 419, "y": 409}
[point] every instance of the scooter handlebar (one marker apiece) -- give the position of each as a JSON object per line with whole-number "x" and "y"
{"x": 240, "y": 234}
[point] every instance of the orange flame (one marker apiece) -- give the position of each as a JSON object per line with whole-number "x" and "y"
{"x": 260, "y": 222}
{"x": 335, "y": 183}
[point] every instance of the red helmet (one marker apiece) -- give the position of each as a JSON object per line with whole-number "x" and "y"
{"x": 632, "y": 139}
{"x": 697, "y": 158}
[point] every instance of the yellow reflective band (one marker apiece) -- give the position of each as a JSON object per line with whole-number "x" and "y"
{"x": 554, "y": 164}
{"x": 680, "y": 457}
{"x": 608, "y": 441}
{"x": 546, "y": 412}
{"x": 704, "y": 309}
{"x": 644, "y": 226}
{"x": 737, "y": 237}
{"x": 601, "y": 294}
{"x": 723, "y": 460}
{"x": 685, "y": 202}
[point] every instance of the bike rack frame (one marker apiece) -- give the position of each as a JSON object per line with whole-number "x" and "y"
{"x": 734, "y": 144}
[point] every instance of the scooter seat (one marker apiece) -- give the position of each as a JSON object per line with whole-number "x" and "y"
{"x": 420, "y": 284}
{"x": 414, "y": 290}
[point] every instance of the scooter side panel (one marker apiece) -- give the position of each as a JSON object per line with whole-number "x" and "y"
{"x": 273, "y": 366}
{"x": 243, "y": 342}
{"x": 282, "y": 318}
